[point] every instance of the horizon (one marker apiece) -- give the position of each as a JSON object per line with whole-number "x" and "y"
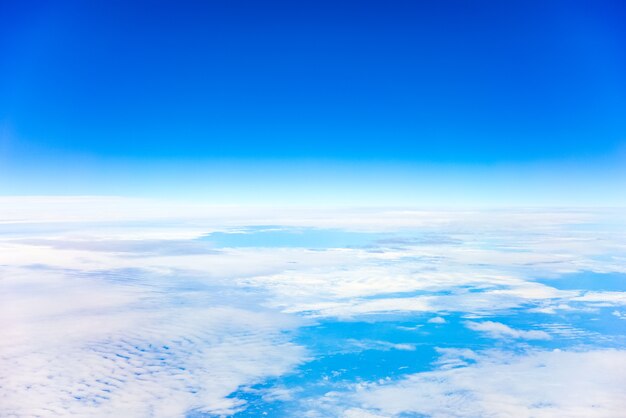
{"x": 320, "y": 209}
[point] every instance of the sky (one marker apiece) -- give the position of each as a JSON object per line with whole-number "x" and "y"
{"x": 312, "y": 208}
{"x": 392, "y": 103}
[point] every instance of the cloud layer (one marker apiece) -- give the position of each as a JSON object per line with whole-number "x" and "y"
{"x": 496, "y": 384}
{"x": 139, "y": 313}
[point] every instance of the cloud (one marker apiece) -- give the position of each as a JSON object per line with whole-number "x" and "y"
{"x": 131, "y": 247}
{"x": 139, "y": 317}
{"x": 78, "y": 345}
{"x": 380, "y": 345}
{"x": 437, "y": 320}
{"x": 618, "y": 314}
{"x": 497, "y": 384}
{"x": 603, "y": 298}
{"x": 499, "y": 330}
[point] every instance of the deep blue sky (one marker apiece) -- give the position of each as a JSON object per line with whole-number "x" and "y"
{"x": 419, "y": 82}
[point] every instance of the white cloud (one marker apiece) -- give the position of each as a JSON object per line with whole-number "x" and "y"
{"x": 360, "y": 413}
{"x": 380, "y": 345}
{"x": 540, "y": 384}
{"x": 620, "y": 315}
{"x": 603, "y": 298}
{"x": 349, "y": 309}
{"x": 87, "y": 308}
{"x": 499, "y": 330}
{"x": 21, "y": 209}
{"x": 437, "y": 320}
{"x": 79, "y": 345}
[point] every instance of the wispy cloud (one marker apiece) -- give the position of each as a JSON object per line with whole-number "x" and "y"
{"x": 538, "y": 384}
{"x": 499, "y": 330}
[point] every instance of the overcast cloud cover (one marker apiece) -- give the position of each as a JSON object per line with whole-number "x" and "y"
{"x": 430, "y": 313}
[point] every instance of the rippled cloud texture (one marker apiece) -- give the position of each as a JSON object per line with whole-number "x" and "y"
{"x": 113, "y": 307}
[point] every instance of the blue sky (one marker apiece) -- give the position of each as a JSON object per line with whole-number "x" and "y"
{"x": 302, "y": 101}
{"x": 279, "y": 208}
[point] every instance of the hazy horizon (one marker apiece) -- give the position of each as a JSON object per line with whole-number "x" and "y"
{"x": 313, "y": 209}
